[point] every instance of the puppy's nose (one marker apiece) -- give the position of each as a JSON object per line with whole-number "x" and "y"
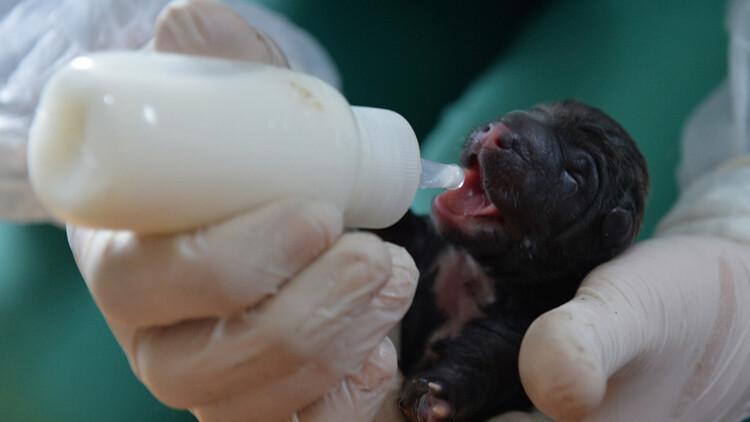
{"x": 496, "y": 135}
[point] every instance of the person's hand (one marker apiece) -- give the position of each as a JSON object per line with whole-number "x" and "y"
{"x": 271, "y": 314}
{"x": 257, "y": 317}
{"x": 38, "y": 38}
{"x": 660, "y": 333}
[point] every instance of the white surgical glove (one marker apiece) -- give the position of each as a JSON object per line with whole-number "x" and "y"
{"x": 271, "y": 313}
{"x": 661, "y": 333}
{"x": 239, "y": 30}
{"x": 200, "y": 315}
{"x": 37, "y": 37}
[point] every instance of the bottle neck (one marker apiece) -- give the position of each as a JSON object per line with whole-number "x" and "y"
{"x": 389, "y": 169}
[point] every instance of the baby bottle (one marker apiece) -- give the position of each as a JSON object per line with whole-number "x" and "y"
{"x": 159, "y": 143}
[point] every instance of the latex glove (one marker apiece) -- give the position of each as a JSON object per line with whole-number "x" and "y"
{"x": 328, "y": 324}
{"x": 37, "y": 37}
{"x": 211, "y": 28}
{"x": 200, "y": 316}
{"x": 239, "y": 30}
{"x": 660, "y": 333}
{"x": 257, "y": 317}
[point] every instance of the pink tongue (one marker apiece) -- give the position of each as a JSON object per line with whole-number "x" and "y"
{"x": 470, "y": 199}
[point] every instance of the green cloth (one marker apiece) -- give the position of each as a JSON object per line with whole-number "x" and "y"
{"x": 59, "y": 360}
{"x": 646, "y": 63}
{"x": 413, "y": 56}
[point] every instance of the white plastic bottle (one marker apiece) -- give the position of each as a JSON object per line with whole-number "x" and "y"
{"x": 160, "y": 143}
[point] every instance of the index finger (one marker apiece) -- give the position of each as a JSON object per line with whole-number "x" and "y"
{"x": 160, "y": 280}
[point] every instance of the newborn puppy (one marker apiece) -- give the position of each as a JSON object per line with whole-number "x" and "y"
{"x": 550, "y": 193}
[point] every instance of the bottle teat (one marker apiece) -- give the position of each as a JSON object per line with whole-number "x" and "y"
{"x": 439, "y": 175}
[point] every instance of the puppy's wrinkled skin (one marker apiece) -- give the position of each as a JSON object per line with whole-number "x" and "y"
{"x": 550, "y": 193}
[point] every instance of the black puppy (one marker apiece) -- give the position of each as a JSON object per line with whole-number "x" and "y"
{"x": 550, "y": 193}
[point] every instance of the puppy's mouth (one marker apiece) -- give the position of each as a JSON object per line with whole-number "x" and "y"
{"x": 468, "y": 202}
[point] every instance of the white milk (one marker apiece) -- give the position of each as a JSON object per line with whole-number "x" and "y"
{"x": 161, "y": 143}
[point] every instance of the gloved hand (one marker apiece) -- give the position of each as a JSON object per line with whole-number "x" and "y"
{"x": 272, "y": 314}
{"x": 239, "y": 30}
{"x": 663, "y": 332}
{"x": 211, "y": 28}
{"x": 258, "y": 317}
{"x": 37, "y": 37}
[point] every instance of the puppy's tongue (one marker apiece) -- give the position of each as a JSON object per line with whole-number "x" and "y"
{"x": 470, "y": 199}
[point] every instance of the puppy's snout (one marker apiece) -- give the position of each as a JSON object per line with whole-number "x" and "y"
{"x": 495, "y": 135}
{"x": 492, "y": 137}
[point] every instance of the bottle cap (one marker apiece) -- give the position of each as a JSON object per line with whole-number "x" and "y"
{"x": 389, "y": 170}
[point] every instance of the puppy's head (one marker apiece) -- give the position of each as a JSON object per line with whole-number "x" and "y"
{"x": 554, "y": 190}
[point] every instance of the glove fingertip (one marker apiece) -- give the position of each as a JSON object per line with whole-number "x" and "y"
{"x": 380, "y": 367}
{"x": 559, "y": 370}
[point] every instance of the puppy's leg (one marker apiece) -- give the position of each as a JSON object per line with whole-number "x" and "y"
{"x": 470, "y": 377}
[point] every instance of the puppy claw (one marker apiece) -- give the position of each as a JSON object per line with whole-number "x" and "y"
{"x": 433, "y": 409}
{"x": 435, "y": 387}
{"x": 420, "y": 402}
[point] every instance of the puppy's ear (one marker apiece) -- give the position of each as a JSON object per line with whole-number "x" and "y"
{"x": 617, "y": 228}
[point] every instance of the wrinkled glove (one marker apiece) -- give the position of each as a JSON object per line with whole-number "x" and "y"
{"x": 201, "y": 315}
{"x": 662, "y": 332}
{"x": 210, "y": 28}
{"x": 237, "y": 29}
{"x": 258, "y": 317}
{"x": 37, "y": 37}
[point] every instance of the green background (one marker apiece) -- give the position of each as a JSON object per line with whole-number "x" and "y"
{"x": 445, "y": 65}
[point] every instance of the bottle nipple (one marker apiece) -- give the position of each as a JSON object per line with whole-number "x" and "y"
{"x": 439, "y": 175}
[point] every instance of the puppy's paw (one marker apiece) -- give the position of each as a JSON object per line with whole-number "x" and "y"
{"x": 421, "y": 401}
